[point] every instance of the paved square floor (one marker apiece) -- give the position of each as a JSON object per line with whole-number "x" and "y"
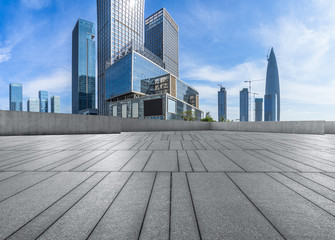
{"x": 168, "y": 185}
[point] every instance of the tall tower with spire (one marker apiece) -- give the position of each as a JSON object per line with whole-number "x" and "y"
{"x": 272, "y": 91}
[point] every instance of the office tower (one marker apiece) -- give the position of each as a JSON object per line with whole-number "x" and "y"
{"x": 83, "y": 66}
{"x": 272, "y": 91}
{"x": 43, "y": 98}
{"x": 244, "y": 105}
{"x": 162, "y": 38}
{"x": 258, "y": 109}
{"x": 15, "y": 97}
{"x": 55, "y": 104}
{"x": 119, "y": 22}
{"x": 137, "y": 86}
{"x": 33, "y": 105}
{"x": 222, "y": 103}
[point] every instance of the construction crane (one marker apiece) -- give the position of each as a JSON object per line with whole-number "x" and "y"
{"x": 250, "y": 104}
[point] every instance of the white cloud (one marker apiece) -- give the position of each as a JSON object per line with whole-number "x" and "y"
{"x": 217, "y": 74}
{"x": 58, "y": 82}
{"x": 36, "y": 4}
{"x": 206, "y": 92}
{"x": 5, "y": 54}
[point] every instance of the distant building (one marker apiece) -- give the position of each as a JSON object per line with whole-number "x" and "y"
{"x": 162, "y": 38}
{"x": 55, "y": 104}
{"x": 222, "y": 103}
{"x": 89, "y": 111}
{"x": 83, "y": 66}
{"x": 43, "y": 99}
{"x": 15, "y": 97}
{"x": 258, "y": 109}
{"x": 272, "y": 90}
{"x": 244, "y": 105}
{"x": 33, "y": 105}
{"x": 119, "y": 22}
{"x": 137, "y": 86}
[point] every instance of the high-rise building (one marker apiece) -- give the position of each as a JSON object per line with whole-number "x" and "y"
{"x": 272, "y": 91}
{"x": 258, "y": 109}
{"x": 83, "y": 66}
{"x": 137, "y": 86}
{"x": 162, "y": 38}
{"x": 55, "y": 104}
{"x": 15, "y": 97}
{"x": 33, "y": 105}
{"x": 119, "y": 22}
{"x": 43, "y": 98}
{"x": 244, "y": 105}
{"x": 222, "y": 103}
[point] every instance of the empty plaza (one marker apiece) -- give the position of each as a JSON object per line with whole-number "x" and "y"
{"x": 168, "y": 185}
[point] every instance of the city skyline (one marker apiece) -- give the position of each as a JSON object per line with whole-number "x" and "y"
{"x": 227, "y": 55}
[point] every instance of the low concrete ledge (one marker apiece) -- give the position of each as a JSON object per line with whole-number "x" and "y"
{"x": 330, "y": 127}
{"x": 299, "y": 127}
{"x": 149, "y": 125}
{"x": 35, "y": 123}
{"x": 30, "y": 123}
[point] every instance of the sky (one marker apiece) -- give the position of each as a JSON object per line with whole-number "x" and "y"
{"x": 220, "y": 42}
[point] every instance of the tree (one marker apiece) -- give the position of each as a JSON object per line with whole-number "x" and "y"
{"x": 208, "y": 118}
{"x": 225, "y": 120}
{"x": 188, "y": 116}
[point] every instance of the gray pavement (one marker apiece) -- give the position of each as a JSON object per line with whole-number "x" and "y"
{"x": 168, "y": 185}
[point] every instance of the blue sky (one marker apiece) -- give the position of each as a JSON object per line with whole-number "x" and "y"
{"x": 221, "y": 41}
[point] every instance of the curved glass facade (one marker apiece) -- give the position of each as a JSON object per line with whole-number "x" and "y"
{"x": 272, "y": 90}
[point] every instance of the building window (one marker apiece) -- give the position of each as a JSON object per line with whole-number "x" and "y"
{"x": 115, "y": 111}
{"x": 124, "y": 110}
{"x": 134, "y": 108}
{"x": 171, "y": 106}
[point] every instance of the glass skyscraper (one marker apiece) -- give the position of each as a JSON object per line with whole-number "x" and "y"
{"x": 119, "y": 22}
{"x": 43, "y": 98}
{"x": 83, "y": 66}
{"x": 15, "y": 97}
{"x": 272, "y": 90}
{"x": 162, "y": 38}
{"x": 55, "y": 104}
{"x": 33, "y": 105}
{"x": 258, "y": 109}
{"x": 244, "y": 105}
{"x": 222, "y": 103}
